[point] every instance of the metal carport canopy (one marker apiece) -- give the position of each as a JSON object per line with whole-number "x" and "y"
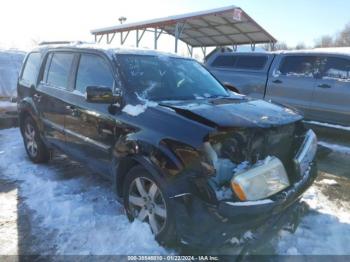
{"x": 217, "y": 27}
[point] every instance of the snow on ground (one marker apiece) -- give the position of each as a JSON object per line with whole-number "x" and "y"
{"x": 80, "y": 211}
{"x": 324, "y": 230}
{"x": 74, "y": 211}
{"x": 7, "y": 105}
{"x": 328, "y": 182}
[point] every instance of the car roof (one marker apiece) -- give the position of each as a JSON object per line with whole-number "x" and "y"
{"x": 104, "y": 48}
{"x": 326, "y": 50}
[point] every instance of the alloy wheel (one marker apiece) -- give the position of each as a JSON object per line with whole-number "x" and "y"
{"x": 31, "y": 144}
{"x": 147, "y": 203}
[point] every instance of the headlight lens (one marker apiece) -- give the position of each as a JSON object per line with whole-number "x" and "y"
{"x": 306, "y": 153}
{"x": 261, "y": 182}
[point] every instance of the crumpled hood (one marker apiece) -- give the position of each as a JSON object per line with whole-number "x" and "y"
{"x": 228, "y": 112}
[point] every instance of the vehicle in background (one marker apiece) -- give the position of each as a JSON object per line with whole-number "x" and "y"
{"x": 10, "y": 66}
{"x": 316, "y": 82}
{"x": 183, "y": 153}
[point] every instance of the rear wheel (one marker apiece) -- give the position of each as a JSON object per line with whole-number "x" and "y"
{"x": 145, "y": 200}
{"x": 36, "y": 149}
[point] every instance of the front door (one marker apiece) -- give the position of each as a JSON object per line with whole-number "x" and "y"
{"x": 89, "y": 127}
{"x": 292, "y": 82}
{"x": 330, "y": 102}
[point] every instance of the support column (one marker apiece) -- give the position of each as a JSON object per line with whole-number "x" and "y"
{"x": 137, "y": 38}
{"x": 155, "y": 38}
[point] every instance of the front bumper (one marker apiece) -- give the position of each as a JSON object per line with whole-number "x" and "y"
{"x": 201, "y": 224}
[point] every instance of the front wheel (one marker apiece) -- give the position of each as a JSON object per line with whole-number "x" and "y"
{"x": 34, "y": 146}
{"x": 145, "y": 200}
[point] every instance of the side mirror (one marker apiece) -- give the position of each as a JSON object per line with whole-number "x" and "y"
{"x": 98, "y": 94}
{"x": 230, "y": 87}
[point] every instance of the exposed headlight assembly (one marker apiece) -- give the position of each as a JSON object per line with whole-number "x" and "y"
{"x": 261, "y": 181}
{"x": 306, "y": 153}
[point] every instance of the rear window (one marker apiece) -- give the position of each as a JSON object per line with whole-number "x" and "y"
{"x": 224, "y": 61}
{"x": 250, "y": 62}
{"x": 31, "y": 68}
{"x": 59, "y": 70}
{"x": 298, "y": 66}
{"x": 337, "y": 68}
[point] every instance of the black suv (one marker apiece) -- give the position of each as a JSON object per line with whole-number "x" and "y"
{"x": 184, "y": 153}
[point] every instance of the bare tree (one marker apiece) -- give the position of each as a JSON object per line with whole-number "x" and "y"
{"x": 276, "y": 47}
{"x": 300, "y": 46}
{"x": 343, "y": 38}
{"x": 325, "y": 41}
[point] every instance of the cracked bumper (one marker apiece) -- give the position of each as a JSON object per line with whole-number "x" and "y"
{"x": 205, "y": 225}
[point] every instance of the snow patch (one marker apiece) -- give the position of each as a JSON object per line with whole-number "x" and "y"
{"x": 75, "y": 211}
{"x": 325, "y": 230}
{"x": 134, "y": 110}
{"x": 251, "y": 203}
{"x": 5, "y": 105}
{"x": 328, "y": 182}
{"x": 223, "y": 193}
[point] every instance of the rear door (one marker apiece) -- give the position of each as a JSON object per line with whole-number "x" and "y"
{"x": 28, "y": 78}
{"x": 292, "y": 82}
{"x": 51, "y": 94}
{"x": 331, "y": 99}
{"x": 89, "y": 127}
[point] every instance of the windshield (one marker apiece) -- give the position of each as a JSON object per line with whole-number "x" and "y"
{"x": 168, "y": 78}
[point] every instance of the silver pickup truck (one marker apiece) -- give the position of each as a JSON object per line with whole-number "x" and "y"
{"x": 317, "y": 82}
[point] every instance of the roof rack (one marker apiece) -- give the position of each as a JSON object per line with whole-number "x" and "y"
{"x": 61, "y": 43}
{"x": 55, "y": 43}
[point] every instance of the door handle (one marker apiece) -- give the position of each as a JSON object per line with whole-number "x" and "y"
{"x": 73, "y": 111}
{"x": 324, "y": 86}
{"x": 70, "y": 107}
{"x": 37, "y": 96}
{"x": 277, "y": 81}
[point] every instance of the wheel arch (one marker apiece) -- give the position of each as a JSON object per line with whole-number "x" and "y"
{"x": 127, "y": 163}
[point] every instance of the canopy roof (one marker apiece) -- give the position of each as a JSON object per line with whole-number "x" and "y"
{"x": 216, "y": 27}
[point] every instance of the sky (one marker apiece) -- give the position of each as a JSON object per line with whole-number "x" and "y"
{"x": 26, "y": 22}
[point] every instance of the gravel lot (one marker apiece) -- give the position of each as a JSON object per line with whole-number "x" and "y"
{"x": 62, "y": 208}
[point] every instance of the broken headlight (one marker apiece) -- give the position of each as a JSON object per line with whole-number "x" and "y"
{"x": 261, "y": 181}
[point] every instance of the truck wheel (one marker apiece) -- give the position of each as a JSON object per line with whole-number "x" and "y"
{"x": 145, "y": 200}
{"x": 36, "y": 149}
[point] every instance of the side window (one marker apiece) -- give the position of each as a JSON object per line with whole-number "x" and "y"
{"x": 47, "y": 67}
{"x": 31, "y": 69}
{"x": 93, "y": 71}
{"x": 224, "y": 61}
{"x": 298, "y": 66}
{"x": 337, "y": 68}
{"x": 253, "y": 62}
{"x": 60, "y": 68}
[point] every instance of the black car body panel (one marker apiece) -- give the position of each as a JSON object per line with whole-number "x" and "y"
{"x": 167, "y": 139}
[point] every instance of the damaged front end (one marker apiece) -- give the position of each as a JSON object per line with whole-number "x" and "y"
{"x": 252, "y": 165}
{"x": 252, "y": 175}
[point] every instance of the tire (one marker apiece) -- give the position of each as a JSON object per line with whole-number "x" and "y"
{"x": 35, "y": 148}
{"x": 150, "y": 204}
